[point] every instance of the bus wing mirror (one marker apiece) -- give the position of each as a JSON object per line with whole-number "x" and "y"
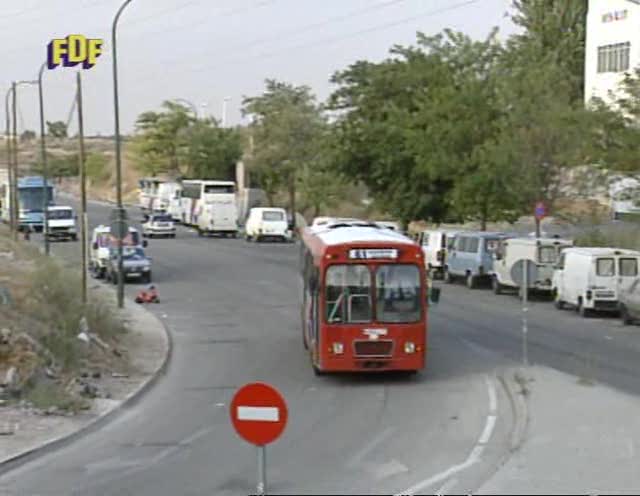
{"x": 434, "y": 295}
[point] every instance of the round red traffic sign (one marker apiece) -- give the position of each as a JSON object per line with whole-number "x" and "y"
{"x": 258, "y": 413}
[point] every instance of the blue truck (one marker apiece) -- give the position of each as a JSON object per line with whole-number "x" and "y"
{"x": 31, "y": 195}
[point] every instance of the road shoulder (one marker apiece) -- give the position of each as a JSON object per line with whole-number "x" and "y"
{"x": 149, "y": 348}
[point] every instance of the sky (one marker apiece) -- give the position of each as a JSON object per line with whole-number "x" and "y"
{"x": 209, "y": 51}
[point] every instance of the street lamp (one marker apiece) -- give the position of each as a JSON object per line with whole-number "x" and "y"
{"x": 116, "y": 109}
{"x": 224, "y": 110}
{"x": 13, "y": 186}
{"x": 45, "y": 168}
{"x": 7, "y": 134}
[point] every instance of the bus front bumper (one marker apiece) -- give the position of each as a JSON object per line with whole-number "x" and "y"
{"x": 414, "y": 362}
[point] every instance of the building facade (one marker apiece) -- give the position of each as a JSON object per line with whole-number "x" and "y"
{"x": 613, "y": 45}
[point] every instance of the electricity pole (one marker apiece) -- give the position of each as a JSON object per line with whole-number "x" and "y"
{"x": 83, "y": 188}
{"x": 9, "y": 159}
{"x": 45, "y": 168}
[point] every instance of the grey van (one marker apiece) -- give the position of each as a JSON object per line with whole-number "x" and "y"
{"x": 471, "y": 257}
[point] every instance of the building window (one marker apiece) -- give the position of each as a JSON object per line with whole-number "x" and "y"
{"x": 614, "y": 58}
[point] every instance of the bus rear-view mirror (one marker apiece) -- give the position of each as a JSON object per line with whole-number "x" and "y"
{"x": 434, "y": 295}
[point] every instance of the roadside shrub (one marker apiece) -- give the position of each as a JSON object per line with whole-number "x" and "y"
{"x": 614, "y": 235}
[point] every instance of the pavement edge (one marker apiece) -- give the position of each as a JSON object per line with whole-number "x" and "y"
{"x": 13, "y": 462}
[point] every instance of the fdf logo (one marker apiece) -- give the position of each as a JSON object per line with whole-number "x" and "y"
{"x": 73, "y": 50}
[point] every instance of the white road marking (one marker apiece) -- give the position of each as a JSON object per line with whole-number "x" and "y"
{"x": 389, "y": 469}
{"x": 258, "y": 413}
{"x": 488, "y": 430}
{"x": 446, "y": 487}
{"x": 476, "y": 453}
{"x": 356, "y": 460}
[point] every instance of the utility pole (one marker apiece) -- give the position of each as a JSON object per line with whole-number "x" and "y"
{"x": 45, "y": 167}
{"x": 9, "y": 158}
{"x": 14, "y": 185}
{"x": 83, "y": 188}
{"x": 116, "y": 104}
{"x": 224, "y": 111}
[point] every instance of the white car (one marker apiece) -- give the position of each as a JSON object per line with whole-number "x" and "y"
{"x": 159, "y": 224}
{"x": 62, "y": 223}
{"x": 267, "y": 223}
{"x": 101, "y": 244}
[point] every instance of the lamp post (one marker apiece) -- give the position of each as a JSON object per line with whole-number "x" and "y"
{"x": 45, "y": 168}
{"x": 9, "y": 158}
{"x": 224, "y": 110}
{"x": 14, "y": 148}
{"x": 116, "y": 109}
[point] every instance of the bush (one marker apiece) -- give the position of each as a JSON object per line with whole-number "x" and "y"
{"x": 615, "y": 235}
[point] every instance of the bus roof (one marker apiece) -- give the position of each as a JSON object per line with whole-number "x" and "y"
{"x": 332, "y": 236}
{"x": 32, "y": 182}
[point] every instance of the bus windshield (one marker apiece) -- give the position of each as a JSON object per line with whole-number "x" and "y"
{"x": 348, "y": 291}
{"x": 32, "y": 198}
{"x": 398, "y": 294}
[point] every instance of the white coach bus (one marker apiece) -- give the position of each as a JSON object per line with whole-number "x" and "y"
{"x": 210, "y": 206}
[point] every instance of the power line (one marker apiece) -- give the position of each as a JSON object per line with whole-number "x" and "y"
{"x": 299, "y": 29}
{"x": 379, "y": 27}
{"x": 162, "y": 12}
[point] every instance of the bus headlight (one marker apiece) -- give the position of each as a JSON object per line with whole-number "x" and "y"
{"x": 338, "y": 348}
{"x": 409, "y": 347}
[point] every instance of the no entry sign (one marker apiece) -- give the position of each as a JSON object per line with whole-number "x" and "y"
{"x": 258, "y": 413}
{"x": 540, "y": 211}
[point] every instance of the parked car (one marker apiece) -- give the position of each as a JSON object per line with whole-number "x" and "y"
{"x": 62, "y": 223}
{"x": 544, "y": 252}
{"x": 135, "y": 264}
{"x": 590, "y": 279}
{"x": 470, "y": 256}
{"x": 435, "y": 245}
{"x": 267, "y": 223}
{"x": 629, "y": 304}
{"x": 159, "y": 224}
{"x": 101, "y": 243}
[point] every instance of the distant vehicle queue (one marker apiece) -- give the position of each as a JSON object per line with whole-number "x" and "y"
{"x": 587, "y": 280}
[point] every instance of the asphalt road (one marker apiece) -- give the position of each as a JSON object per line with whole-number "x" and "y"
{"x": 232, "y": 309}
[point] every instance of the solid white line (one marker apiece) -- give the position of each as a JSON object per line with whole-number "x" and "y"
{"x": 367, "y": 448}
{"x": 444, "y": 489}
{"x": 259, "y": 413}
{"x": 493, "y": 399}
{"x": 488, "y": 429}
{"x": 476, "y": 452}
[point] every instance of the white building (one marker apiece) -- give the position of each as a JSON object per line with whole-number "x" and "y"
{"x": 613, "y": 45}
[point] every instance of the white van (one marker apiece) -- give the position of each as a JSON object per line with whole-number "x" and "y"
{"x": 62, "y": 223}
{"x": 101, "y": 243}
{"x": 434, "y": 246}
{"x": 590, "y": 279}
{"x": 544, "y": 252}
{"x": 267, "y": 223}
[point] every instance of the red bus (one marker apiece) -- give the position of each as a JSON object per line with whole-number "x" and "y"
{"x": 364, "y": 302}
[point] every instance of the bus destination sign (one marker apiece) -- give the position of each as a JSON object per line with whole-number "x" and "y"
{"x": 373, "y": 254}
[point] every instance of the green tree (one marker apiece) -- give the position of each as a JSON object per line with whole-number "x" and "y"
{"x": 287, "y": 121}
{"x": 28, "y": 135}
{"x": 160, "y": 135}
{"x": 57, "y": 129}
{"x": 96, "y": 166}
{"x": 554, "y": 33}
{"x": 209, "y": 151}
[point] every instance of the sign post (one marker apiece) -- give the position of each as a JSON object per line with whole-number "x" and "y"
{"x": 522, "y": 272}
{"x": 259, "y": 416}
{"x": 540, "y": 213}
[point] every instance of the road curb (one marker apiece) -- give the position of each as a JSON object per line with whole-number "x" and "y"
{"x": 515, "y": 384}
{"x": 15, "y": 461}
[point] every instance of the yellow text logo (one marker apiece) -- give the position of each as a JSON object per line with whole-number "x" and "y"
{"x": 73, "y": 50}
